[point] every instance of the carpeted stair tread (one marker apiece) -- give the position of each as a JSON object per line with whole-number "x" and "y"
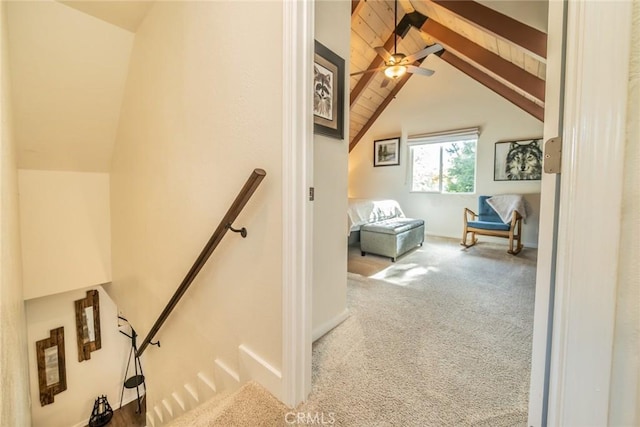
{"x": 254, "y": 406}
{"x": 207, "y": 409}
{"x": 251, "y": 405}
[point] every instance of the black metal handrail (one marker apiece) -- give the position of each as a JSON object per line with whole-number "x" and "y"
{"x": 234, "y": 210}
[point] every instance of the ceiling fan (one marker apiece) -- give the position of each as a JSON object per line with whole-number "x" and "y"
{"x": 397, "y": 64}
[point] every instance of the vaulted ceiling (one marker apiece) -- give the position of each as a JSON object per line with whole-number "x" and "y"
{"x": 498, "y": 48}
{"x": 67, "y": 88}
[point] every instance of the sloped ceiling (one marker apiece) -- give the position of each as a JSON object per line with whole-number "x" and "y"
{"x": 501, "y": 44}
{"x": 124, "y": 14}
{"x": 531, "y": 12}
{"x": 68, "y": 73}
{"x": 69, "y": 62}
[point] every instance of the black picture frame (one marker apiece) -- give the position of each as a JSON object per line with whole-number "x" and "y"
{"x": 386, "y": 152}
{"x": 328, "y": 93}
{"x": 518, "y": 160}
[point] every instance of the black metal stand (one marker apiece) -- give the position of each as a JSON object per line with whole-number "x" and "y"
{"x": 138, "y": 379}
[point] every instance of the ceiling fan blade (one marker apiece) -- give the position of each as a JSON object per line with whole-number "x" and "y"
{"x": 417, "y": 70}
{"x": 385, "y": 82}
{"x": 384, "y": 53}
{"x": 373, "y": 70}
{"x": 421, "y": 54}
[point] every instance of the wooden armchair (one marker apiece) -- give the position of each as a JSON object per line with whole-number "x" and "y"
{"x": 488, "y": 223}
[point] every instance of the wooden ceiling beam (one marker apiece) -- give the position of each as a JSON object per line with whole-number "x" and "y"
{"x": 356, "y": 5}
{"x": 366, "y": 78}
{"x": 502, "y": 26}
{"x": 403, "y": 80}
{"x": 486, "y": 59}
{"x": 408, "y": 20}
{"x": 509, "y": 94}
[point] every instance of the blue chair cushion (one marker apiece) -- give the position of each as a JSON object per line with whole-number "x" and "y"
{"x": 490, "y": 218}
{"x": 487, "y": 214}
{"x": 489, "y": 225}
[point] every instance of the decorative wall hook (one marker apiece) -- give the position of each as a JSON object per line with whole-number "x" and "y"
{"x": 242, "y": 231}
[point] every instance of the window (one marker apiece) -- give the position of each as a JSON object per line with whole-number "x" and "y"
{"x": 444, "y": 162}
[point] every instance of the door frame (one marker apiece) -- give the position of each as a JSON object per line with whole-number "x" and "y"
{"x": 574, "y": 351}
{"x": 297, "y": 211}
{"x": 594, "y": 138}
{"x": 548, "y": 228}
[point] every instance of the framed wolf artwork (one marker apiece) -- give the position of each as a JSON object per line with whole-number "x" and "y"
{"x": 518, "y": 160}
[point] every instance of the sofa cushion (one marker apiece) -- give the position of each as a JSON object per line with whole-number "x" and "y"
{"x": 393, "y": 225}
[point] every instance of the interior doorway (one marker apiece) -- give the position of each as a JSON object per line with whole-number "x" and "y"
{"x": 545, "y": 267}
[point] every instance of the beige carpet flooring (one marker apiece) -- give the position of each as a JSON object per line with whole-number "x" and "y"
{"x": 442, "y": 337}
{"x": 250, "y": 406}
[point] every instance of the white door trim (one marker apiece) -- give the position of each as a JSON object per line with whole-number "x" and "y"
{"x": 297, "y": 220}
{"x": 550, "y": 187}
{"x": 598, "y": 47}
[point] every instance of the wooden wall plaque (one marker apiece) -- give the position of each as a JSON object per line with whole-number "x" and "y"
{"x": 88, "y": 325}
{"x": 52, "y": 372}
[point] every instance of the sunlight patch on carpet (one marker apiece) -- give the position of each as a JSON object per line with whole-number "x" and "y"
{"x": 404, "y": 274}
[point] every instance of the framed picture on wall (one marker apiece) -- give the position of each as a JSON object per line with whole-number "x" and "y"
{"x": 386, "y": 152}
{"x": 52, "y": 373}
{"x": 519, "y": 160}
{"x": 328, "y": 93}
{"x": 88, "y": 325}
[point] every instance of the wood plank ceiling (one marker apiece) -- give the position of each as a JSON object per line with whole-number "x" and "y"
{"x": 501, "y": 53}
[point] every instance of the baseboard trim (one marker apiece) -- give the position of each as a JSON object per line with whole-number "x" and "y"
{"x": 329, "y": 325}
{"x": 491, "y": 239}
{"x": 126, "y": 400}
{"x": 253, "y": 367}
{"x": 226, "y": 376}
{"x": 151, "y": 422}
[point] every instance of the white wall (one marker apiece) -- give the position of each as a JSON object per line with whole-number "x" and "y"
{"x": 69, "y": 72}
{"x": 448, "y": 100}
{"x": 102, "y": 374}
{"x": 202, "y": 109}
{"x": 14, "y": 387}
{"x": 624, "y": 401}
{"x": 66, "y": 231}
{"x": 332, "y": 29}
{"x": 531, "y": 12}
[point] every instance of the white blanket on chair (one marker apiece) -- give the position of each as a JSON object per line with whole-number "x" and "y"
{"x": 505, "y": 204}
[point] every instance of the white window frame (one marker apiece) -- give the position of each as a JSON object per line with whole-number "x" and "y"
{"x": 441, "y": 138}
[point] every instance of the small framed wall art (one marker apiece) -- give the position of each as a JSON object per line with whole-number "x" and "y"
{"x": 52, "y": 372}
{"x": 386, "y": 152}
{"x": 328, "y": 93}
{"x": 88, "y": 325}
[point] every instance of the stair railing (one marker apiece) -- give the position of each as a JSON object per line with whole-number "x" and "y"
{"x": 241, "y": 200}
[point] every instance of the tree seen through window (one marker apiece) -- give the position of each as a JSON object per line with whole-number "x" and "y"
{"x": 448, "y": 167}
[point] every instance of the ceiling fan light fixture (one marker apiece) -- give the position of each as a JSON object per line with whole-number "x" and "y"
{"x": 395, "y": 71}
{"x": 396, "y": 58}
